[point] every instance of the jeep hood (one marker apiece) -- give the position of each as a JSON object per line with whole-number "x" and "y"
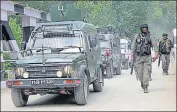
{"x": 53, "y": 58}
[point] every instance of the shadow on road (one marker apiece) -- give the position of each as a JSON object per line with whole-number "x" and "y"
{"x": 52, "y": 100}
{"x": 47, "y": 100}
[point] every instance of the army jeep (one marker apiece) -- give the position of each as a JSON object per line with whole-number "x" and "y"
{"x": 125, "y": 54}
{"x": 110, "y": 55}
{"x": 60, "y": 58}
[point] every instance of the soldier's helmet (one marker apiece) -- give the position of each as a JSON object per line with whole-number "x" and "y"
{"x": 164, "y": 34}
{"x": 143, "y": 26}
{"x": 109, "y": 28}
{"x": 98, "y": 29}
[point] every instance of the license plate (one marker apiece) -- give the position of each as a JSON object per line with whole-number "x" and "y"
{"x": 40, "y": 82}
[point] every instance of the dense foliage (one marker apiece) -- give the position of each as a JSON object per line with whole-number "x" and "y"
{"x": 17, "y": 32}
{"x": 124, "y": 15}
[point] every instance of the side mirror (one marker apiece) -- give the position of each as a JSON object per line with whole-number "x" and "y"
{"x": 93, "y": 43}
{"x": 23, "y": 45}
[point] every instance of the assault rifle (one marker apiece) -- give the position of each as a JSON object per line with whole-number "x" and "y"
{"x": 132, "y": 63}
{"x": 159, "y": 60}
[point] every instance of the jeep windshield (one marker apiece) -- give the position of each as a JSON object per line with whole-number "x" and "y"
{"x": 123, "y": 46}
{"x": 69, "y": 41}
{"x": 105, "y": 44}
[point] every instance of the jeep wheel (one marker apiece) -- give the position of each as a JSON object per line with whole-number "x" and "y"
{"x": 18, "y": 97}
{"x": 109, "y": 70}
{"x": 81, "y": 92}
{"x": 118, "y": 70}
{"x": 99, "y": 83}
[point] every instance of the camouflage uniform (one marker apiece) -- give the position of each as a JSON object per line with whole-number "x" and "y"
{"x": 165, "y": 46}
{"x": 143, "y": 64}
{"x": 165, "y": 63}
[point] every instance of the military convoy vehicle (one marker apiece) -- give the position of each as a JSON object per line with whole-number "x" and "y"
{"x": 111, "y": 60}
{"x": 59, "y": 58}
{"x": 109, "y": 54}
{"x": 125, "y": 54}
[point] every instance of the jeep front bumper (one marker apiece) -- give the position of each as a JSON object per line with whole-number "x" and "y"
{"x": 43, "y": 83}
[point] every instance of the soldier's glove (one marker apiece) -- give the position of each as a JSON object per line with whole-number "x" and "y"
{"x": 154, "y": 58}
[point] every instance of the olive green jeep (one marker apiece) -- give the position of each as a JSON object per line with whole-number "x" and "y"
{"x": 59, "y": 58}
{"x": 110, "y": 55}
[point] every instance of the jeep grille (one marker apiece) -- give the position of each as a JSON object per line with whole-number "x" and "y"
{"x": 42, "y": 71}
{"x": 47, "y": 68}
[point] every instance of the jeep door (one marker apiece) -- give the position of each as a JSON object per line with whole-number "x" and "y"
{"x": 93, "y": 52}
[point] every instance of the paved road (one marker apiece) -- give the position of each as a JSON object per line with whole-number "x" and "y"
{"x": 120, "y": 93}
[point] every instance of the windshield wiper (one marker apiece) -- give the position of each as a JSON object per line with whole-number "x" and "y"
{"x": 40, "y": 49}
{"x": 71, "y": 46}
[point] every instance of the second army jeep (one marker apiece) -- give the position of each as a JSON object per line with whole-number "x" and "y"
{"x": 61, "y": 58}
{"x": 110, "y": 55}
{"x": 125, "y": 54}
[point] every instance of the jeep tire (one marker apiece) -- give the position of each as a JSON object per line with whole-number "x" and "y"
{"x": 19, "y": 99}
{"x": 99, "y": 83}
{"x": 81, "y": 92}
{"x": 109, "y": 70}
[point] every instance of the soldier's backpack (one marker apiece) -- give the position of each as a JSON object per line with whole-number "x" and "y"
{"x": 143, "y": 46}
{"x": 165, "y": 46}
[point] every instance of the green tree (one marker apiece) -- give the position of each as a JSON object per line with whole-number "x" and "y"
{"x": 125, "y": 15}
{"x": 100, "y": 13}
{"x": 40, "y": 5}
{"x": 130, "y": 14}
{"x": 161, "y": 17}
{"x": 16, "y": 30}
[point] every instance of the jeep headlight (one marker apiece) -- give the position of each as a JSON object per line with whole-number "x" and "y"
{"x": 20, "y": 71}
{"x": 25, "y": 74}
{"x": 59, "y": 73}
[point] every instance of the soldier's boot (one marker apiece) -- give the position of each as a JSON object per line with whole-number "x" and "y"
{"x": 142, "y": 85}
{"x": 145, "y": 89}
{"x": 167, "y": 72}
{"x": 164, "y": 72}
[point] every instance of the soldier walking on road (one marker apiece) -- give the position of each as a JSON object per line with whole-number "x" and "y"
{"x": 141, "y": 50}
{"x": 165, "y": 46}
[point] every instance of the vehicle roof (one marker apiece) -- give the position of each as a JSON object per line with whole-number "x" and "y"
{"x": 79, "y": 25}
{"x": 123, "y": 41}
{"x": 107, "y": 36}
